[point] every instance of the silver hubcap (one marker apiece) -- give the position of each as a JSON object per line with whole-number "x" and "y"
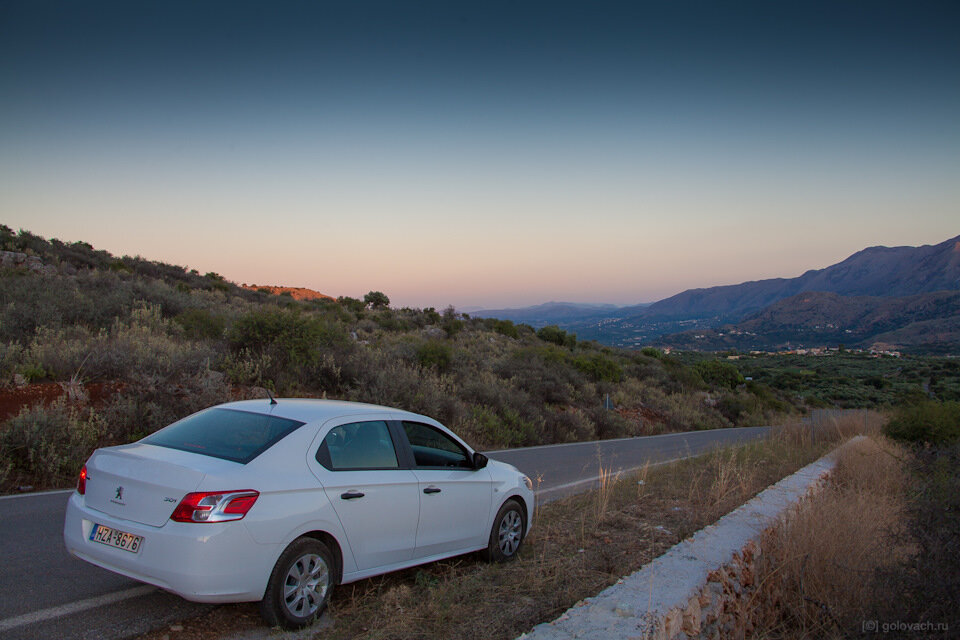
{"x": 510, "y": 529}
{"x": 306, "y": 585}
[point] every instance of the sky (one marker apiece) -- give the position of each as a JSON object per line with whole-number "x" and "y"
{"x": 483, "y": 154}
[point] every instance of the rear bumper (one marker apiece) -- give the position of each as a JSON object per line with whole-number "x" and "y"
{"x": 216, "y": 562}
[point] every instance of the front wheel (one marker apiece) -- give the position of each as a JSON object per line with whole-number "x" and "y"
{"x": 300, "y": 585}
{"x": 506, "y": 536}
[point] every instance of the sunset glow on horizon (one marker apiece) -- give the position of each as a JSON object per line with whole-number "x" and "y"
{"x": 483, "y": 155}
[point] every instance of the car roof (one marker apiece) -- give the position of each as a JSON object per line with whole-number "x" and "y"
{"x": 313, "y": 410}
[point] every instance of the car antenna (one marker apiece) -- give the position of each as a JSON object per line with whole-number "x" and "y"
{"x": 272, "y": 399}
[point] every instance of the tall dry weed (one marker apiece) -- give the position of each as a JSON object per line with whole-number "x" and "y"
{"x": 606, "y": 484}
{"x": 816, "y": 568}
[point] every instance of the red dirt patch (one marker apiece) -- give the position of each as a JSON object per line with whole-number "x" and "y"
{"x": 12, "y": 401}
{"x": 642, "y": 414}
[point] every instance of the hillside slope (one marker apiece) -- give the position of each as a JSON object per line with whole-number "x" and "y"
{"x": 97, "y": 349}
{"x": 875, "y": 272}
{"x": 927, "y": 321}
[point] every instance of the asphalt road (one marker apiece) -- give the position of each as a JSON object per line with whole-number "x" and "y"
{"x": 46, "y": 593}
{"x": 563, "y": 469}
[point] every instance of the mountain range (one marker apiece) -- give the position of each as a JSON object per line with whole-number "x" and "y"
{"x": 556, "y": 312}
{"x": 928, "y": 322}
{"x": 877, "y": 294}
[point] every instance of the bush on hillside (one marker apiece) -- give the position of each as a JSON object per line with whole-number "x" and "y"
{"x": 720, "y": 374}
{"x": 503, "y": 327}
{"x": 296, "y": 343}
{"x": 936, "y": 423}
{"x": 200, "y": 324}
{"x": 376, "y": 300}
{"x": 599, "y": 367}
{"x": 556, "y": 335}
{"x": 434, "y": 354}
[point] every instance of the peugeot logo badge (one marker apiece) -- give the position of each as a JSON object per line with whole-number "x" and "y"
{"x": 119, "y": 495}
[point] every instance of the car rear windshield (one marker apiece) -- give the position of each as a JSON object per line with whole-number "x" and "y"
{"x": 230, "y": 434}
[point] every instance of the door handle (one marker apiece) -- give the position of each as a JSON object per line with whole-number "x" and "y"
{"x": 431, "y": 490}
{"x": 351, "y": 495}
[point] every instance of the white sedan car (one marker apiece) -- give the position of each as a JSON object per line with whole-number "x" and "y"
{"x": 278, "y": 501}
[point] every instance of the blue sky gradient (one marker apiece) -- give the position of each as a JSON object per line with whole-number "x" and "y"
{"x": 483, "y": 154}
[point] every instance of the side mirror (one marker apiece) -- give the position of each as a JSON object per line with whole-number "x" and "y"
{"x": 480, "y": 460}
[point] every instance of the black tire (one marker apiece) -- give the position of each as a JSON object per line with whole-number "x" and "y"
{"x": 300, "y": 585}
{"x": 506, "y": 536}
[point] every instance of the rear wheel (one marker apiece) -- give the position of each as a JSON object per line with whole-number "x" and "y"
{"x": 299, "y": 586}
{"x": 506, "y": 536}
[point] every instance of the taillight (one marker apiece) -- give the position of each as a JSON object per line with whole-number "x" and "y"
{"x": 215, "y": 506}
{"x": 82, "y": 481}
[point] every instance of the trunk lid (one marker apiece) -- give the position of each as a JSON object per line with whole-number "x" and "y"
{"x": 141, "y": 483}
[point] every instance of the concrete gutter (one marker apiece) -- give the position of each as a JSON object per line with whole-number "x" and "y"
{"x": 672, "y": 597}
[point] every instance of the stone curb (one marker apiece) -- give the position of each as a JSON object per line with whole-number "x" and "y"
{"x": 678, "y": 593}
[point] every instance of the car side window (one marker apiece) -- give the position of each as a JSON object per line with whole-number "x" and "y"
{"x": 433, "y": 448}
{"x": 358, "y": 445}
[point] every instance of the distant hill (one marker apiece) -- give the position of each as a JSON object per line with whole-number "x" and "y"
{"x": 927, "y": 322}
{"x": 876, "y": 271}
{"x": 298, "y": 293}
{"x": 557, "y": 313}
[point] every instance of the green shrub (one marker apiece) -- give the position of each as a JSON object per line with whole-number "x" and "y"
{"x": 46, "y": 446}
{"x": 391, "y": 321}
{"x": 505, "y": 327}
{"x": 10, "y": 355}
{"x": 936, "y": 423}
{"x": 652, "y": 352}
{"x": 503, "y": 431}
{"x": 298, "y": 345}
{"x": 352, "y": 304}
{"x": 542, "y": 372}
{"x": 683, "y": 376}
{"x": 434, "y": 354}
{"x": 376, "y": 300}
{"x": 720, "y": 374}
{"x": 556, "y": 335}
{"x": 201, "y": 324}
{"x": 451, "y": 324}
{"x": 609, "y": 424}
{"x": 287, "y": 333}
{"x": 599, "y": 367}
{"x": 737, "y": 407}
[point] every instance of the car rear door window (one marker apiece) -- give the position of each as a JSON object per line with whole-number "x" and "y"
{"x": 358, "y": 445}
{"x": 230, "y": 434}
{"x": 433, "y": 448}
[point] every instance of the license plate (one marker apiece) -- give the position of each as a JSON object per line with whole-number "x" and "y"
{"x": 116, "y": 538}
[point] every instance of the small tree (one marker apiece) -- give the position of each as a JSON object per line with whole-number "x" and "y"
{"x": 556, "y": 335}
{"x": 451, "y": 324}
{"x": 721, "y": 374}
{"x": 376, "y": 300}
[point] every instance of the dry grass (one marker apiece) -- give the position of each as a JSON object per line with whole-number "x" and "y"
{"x": 578, "y": 546}
{"x": 817, "y": 568}
{"x": 829, "y": 427}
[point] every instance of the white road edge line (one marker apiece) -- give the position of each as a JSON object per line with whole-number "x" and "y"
{"x": 576, "y": 483}
{"x": 74, "y": 607}
{"x": 36, "y": 493}
{"x": 597, "y": 442}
